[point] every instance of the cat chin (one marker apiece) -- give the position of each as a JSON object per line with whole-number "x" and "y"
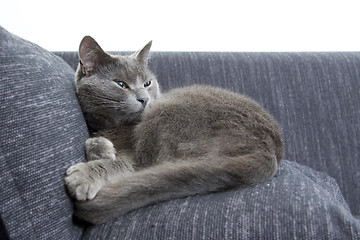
{"x": 126, "y": 119}
{"x": 97, "y": 122}
{"x": 135, "y": 117}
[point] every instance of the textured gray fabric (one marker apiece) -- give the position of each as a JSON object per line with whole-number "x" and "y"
{"x": 299, "y": 203}
{"x": 42, "y": 134}
{"x": 314, "y": 96}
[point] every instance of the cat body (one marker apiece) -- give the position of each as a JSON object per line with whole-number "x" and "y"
{"x": 149, "y": 147}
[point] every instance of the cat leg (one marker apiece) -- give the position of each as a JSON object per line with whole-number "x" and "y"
{"x": 99, "y": 148}
{"x": 85, "y": 180}
{"x": 171, "y": 180}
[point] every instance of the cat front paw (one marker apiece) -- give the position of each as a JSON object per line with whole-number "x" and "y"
{"x": 99, "y": 148}
{"x": 80, "y": 182}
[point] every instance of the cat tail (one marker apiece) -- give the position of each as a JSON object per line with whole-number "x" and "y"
{"x": 171, "y": 180}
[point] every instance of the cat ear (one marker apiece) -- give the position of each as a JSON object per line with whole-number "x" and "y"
{"x": 143, "y": 54}
{"x": 91, "y": 55}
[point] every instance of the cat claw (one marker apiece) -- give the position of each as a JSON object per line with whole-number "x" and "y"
{"x": 79, "y": 184}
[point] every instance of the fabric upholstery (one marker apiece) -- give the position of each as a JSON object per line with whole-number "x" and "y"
{"x": 314, "y": 96}
{"x": 299, "y": 203}
{"x": 42, "y": 134}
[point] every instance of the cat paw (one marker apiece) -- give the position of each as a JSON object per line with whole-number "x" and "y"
{"x": 80, "y": 184}
{"x": 99, "y": 148}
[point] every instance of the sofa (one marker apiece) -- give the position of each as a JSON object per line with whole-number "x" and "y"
{"x": 314, "y": 195}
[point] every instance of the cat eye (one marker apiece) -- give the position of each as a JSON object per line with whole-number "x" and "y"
{"x": 122, "y": 84}
{"x": 147, "y": 84}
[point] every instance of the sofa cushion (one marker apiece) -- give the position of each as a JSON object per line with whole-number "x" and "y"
{"x": 299, "y": 203}
{"x": 42, "y": 134}
{"x": 314, "y": 96}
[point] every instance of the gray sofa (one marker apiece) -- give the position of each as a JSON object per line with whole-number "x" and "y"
{"x": 314, "y": 195}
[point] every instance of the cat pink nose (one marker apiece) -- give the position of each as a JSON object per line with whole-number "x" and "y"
{"x": 143, "y": 101}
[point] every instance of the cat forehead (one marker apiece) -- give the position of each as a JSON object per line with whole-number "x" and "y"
{"x": 128, "y": 61}
{"x": 126, "y": 66}
{"x": 123, "y": 64}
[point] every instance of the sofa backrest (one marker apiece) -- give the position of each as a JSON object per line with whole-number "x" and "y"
{"x": 314, "y": 96}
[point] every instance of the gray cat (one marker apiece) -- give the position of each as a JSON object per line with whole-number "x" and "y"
{"x": 148, "y": 147}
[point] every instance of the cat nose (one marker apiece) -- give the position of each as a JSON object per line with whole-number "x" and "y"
{"x": 143, "y": 101}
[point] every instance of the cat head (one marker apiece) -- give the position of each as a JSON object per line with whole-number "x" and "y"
{"x": 113, "y": 90}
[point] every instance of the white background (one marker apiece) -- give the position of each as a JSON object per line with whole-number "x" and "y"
{"x": 187, "y": 25}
